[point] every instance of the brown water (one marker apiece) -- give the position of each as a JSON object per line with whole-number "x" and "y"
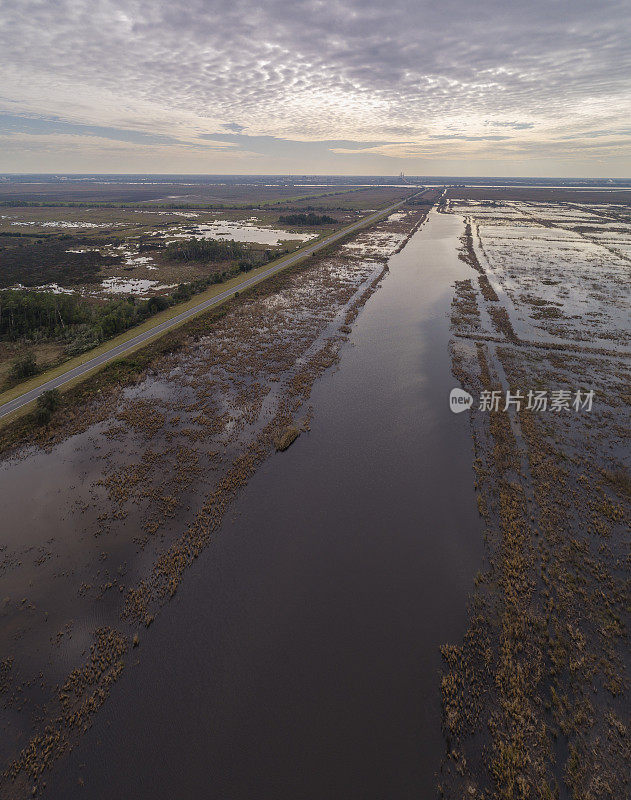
{"x": 300, "y": 658}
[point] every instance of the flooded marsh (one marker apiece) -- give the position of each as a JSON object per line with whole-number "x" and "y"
{"x": 277, "y": 554}
{"x": 131, "y": 490}
{"x": 535, "y": 697}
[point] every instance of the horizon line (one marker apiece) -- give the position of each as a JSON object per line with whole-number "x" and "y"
{"x": 316, "y": 175}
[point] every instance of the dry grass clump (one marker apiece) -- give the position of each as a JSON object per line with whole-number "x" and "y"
{"x": 467, "y": 253}
{"x": 286, "y": 437}
{"x": 488, "y": 292}
{"x": 6, "y": 666}
{"x": 501, "y": 320}
{"x": 465, "y": 313}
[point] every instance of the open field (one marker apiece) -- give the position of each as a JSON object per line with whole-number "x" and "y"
{"x": 186, "y": 194}
{"x": 80, "y": 252}
{"x": 163, "y": 193}
{"x": 536, "y": 696}
{"x": 356, "y": 199}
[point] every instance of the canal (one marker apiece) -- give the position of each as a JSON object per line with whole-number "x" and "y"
{"x": 300, "y": 658}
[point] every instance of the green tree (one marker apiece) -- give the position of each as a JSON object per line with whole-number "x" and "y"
{"x": 24, "y": 367}
{"x": 47, "y": 403}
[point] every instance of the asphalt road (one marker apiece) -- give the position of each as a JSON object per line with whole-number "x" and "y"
{"x": 130, "y": 344}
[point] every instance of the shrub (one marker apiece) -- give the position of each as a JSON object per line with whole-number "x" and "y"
{"x": 157, "y": 303}
{"x": 47, "y": 404}
{"x": 24, "y": 367}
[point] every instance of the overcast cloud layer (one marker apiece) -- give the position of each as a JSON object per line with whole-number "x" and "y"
{"x": 491, "y": 87}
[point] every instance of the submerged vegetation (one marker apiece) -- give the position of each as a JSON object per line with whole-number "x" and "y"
{"x": 535, "y": 697}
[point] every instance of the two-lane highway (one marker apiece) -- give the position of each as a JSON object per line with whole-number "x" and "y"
{"x": 157, "y": 330}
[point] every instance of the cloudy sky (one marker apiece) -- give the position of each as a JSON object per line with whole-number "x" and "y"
{"x": 460, "y": 87}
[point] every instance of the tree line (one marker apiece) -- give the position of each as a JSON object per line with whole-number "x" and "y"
{"x": 306, "y": 219}
{"x": 216, "y": 251}
{"x": 42, "y": 315}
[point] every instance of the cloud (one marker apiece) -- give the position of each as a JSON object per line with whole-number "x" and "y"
{"x": 598, "y": 134}
{"x": 290, "y": 148}
{"x": 171, "y": 72}
{"x": 14, "y": 123}
{"x": 463, "y": 137}
{"x": 518, "y": 126}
